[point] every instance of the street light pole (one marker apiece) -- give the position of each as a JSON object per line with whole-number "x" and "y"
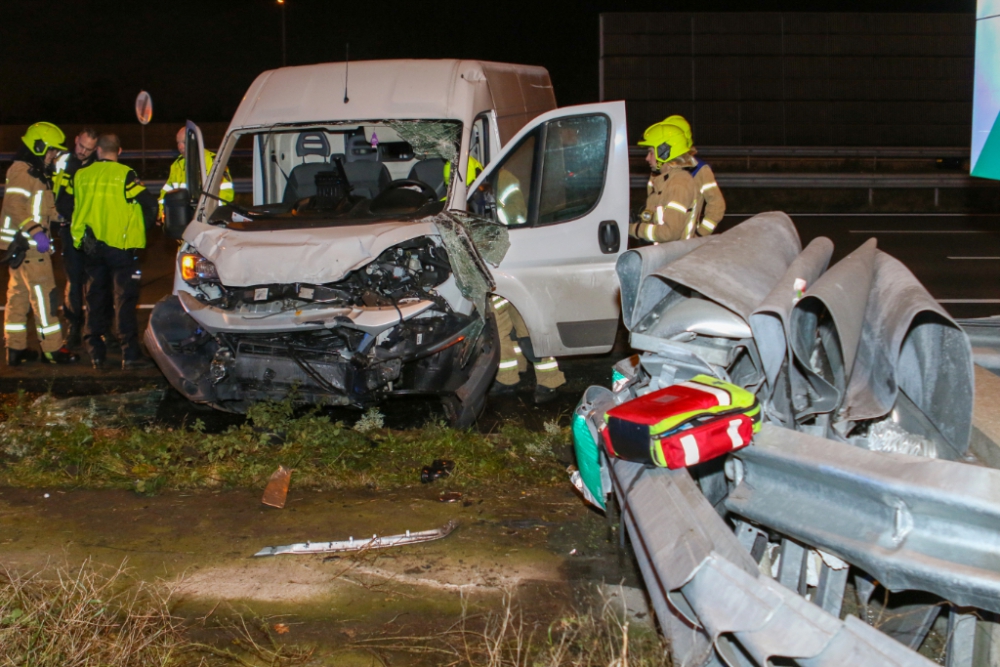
{"x": 284, "y": 52}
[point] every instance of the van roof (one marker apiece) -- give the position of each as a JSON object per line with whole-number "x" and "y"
{"x": 396, "y": 89}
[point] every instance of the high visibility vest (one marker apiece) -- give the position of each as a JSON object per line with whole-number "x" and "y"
{"x": 102, "y": 203}
{"x": 177, "y": 178}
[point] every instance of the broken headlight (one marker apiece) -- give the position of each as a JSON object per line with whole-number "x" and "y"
{"x": 196, "y": 270}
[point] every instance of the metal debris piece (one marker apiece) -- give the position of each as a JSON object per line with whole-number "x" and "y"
{"x": 277, "y": 488}
{"x": 450, "y": 497}
{"x": 437, "y": 469}
{"x": 351, "y": 544}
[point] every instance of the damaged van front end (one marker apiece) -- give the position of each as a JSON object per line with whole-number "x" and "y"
{"x": 329, "y": 315}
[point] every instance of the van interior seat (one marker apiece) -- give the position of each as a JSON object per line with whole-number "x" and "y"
{"x": 431, "y": 172}
{"x": 302, "y": 179}
{"x": 367, "y": 179}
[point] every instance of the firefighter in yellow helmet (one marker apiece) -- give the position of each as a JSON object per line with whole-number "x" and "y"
{"x": 28, "y": 209}
{"x": 177, "y": 178}
{"x": 710, "y": 205}
{"x": 670, "y": 192}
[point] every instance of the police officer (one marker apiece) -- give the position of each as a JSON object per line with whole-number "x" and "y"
{"x": 710, "y": 205}
{"x": 82, "y": 155}
{"x": 177, "y": 178}
{"x": 670, "y": 192}
{"x": 28, "y": 207}
{"x": 111, "y": 212}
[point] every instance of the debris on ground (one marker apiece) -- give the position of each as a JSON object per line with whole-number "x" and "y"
{"x": 351, "y": 544}
{"x": 437, "y": 469}
{"x": 276, "y": 491}
{"x": 450, "y": 497}
{"x": 106, "y": 409}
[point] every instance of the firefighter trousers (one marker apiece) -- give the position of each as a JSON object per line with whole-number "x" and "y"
{"x": 31, "y": 286}
{"x": 113, "y": 276}
{"x": 513, "y": 336}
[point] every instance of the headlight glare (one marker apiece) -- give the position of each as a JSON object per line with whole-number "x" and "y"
{"x": 195, "y": 269}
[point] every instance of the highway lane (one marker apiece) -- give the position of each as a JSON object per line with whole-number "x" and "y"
{"x": 956, "y": 256}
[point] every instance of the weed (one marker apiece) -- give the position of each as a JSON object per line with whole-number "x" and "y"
{"x": 372, "y": 420}
{"x": 41, "y": 446}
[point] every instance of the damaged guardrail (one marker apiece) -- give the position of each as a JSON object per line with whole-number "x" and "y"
{"x": 859, "y": 482}
{"x": 710, "y": 598}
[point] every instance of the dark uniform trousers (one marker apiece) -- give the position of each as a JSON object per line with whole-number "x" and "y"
{"x": 75, "y": 277}
{"x": 113, "y": 275}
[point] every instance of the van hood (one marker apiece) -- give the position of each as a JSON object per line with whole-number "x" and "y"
{"x": 314, "y": 256}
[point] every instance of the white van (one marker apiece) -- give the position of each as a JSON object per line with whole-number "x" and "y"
{"x": 358, "y": 272}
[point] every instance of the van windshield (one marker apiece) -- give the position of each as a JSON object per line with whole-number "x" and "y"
{"x": 346, "y": 171}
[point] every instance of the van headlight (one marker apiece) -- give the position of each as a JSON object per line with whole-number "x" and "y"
{"x": 196, "y": 270}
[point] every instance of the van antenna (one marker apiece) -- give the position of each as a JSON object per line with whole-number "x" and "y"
{"x": 347, "y": 69}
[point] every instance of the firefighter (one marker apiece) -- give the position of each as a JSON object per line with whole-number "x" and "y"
{"x": 670, "y": 190}
{"x": 177, "y": 178}
{"x": 82, "y": 155}
{"x": 28, "y": 207}
{"x": 111, "y": 213}
{"x": 514, "y": 343}
{"x": 710, "y": 205}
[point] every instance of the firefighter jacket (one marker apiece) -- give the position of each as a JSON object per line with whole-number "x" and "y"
{"x": 709, "y": 206}
{"x": 670, "y": 198}
{"x": 177, "y": 179}
{"x": 27, "y": 202}
{"x": 112, "y": 202}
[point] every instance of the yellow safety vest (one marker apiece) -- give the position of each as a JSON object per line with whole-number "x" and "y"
{"x": 177, "y": 179}
{"x": 102, "y": 203}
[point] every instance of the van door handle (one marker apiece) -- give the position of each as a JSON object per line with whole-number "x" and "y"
{"x": 609, "y": 237}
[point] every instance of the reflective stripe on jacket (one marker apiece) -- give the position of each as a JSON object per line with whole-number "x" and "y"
{"x": 671, "y": 195}
{"x": 105, "y": 195}
{"x": 27, "y": 201}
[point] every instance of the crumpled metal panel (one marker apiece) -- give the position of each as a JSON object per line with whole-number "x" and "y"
{"x": 912, "y": 523}
{"x": 730, "y": 268}
{"x": 709, "y": 595}
{"x": 771, "y": 320}
{"x": 909, "y": 343}
{"x": 635, "y": 266}
{"x": 825, "y": 330}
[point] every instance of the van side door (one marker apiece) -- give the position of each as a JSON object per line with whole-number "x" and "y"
{"x": 561, "y": 186}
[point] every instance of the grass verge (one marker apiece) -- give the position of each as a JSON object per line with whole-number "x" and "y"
{"x": 45, "y": 445}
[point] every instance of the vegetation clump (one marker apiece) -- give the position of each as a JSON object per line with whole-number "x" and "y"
{"x": 44, "y": 444}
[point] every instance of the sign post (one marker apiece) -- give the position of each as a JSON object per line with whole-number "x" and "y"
{"x": 144, "y": 112}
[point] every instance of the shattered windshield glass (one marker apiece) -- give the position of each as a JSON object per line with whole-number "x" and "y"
{"x": 350, "y": 171}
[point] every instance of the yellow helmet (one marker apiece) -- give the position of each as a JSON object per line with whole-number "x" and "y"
{"x": 667, "y": 141}
{"x": 40, "y": 137}
{"x": 681, "y": 122}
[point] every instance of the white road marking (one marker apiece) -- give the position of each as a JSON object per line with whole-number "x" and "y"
{"x": 919, "y": 231}
{"x": 141, "y": 306}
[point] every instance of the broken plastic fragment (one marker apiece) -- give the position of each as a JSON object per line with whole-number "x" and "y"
{"x": 277, "y": 488}
{"x": 361, "y": 545}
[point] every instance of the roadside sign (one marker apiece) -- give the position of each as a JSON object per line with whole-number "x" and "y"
{"x": 144, "y": 107}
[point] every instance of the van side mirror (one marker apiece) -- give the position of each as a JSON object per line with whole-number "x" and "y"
{"x": 178, "y": 209}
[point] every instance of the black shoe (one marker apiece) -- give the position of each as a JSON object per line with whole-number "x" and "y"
{"x": 61, "y": 356}
{"x": 17, "y": 357}
{"x": 140, "y": 364}
{"x": 500, "y": 389}
{"x": 544, "y": 394}
{"x": 99, "y": 364}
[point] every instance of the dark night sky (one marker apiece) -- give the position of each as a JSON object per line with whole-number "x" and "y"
{"x": 84, "y": 61}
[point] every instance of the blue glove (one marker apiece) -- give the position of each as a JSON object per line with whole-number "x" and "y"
{"x": 42, "y": 239}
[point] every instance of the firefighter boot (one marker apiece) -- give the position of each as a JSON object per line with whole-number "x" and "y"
{"x": 17, "y": 357}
